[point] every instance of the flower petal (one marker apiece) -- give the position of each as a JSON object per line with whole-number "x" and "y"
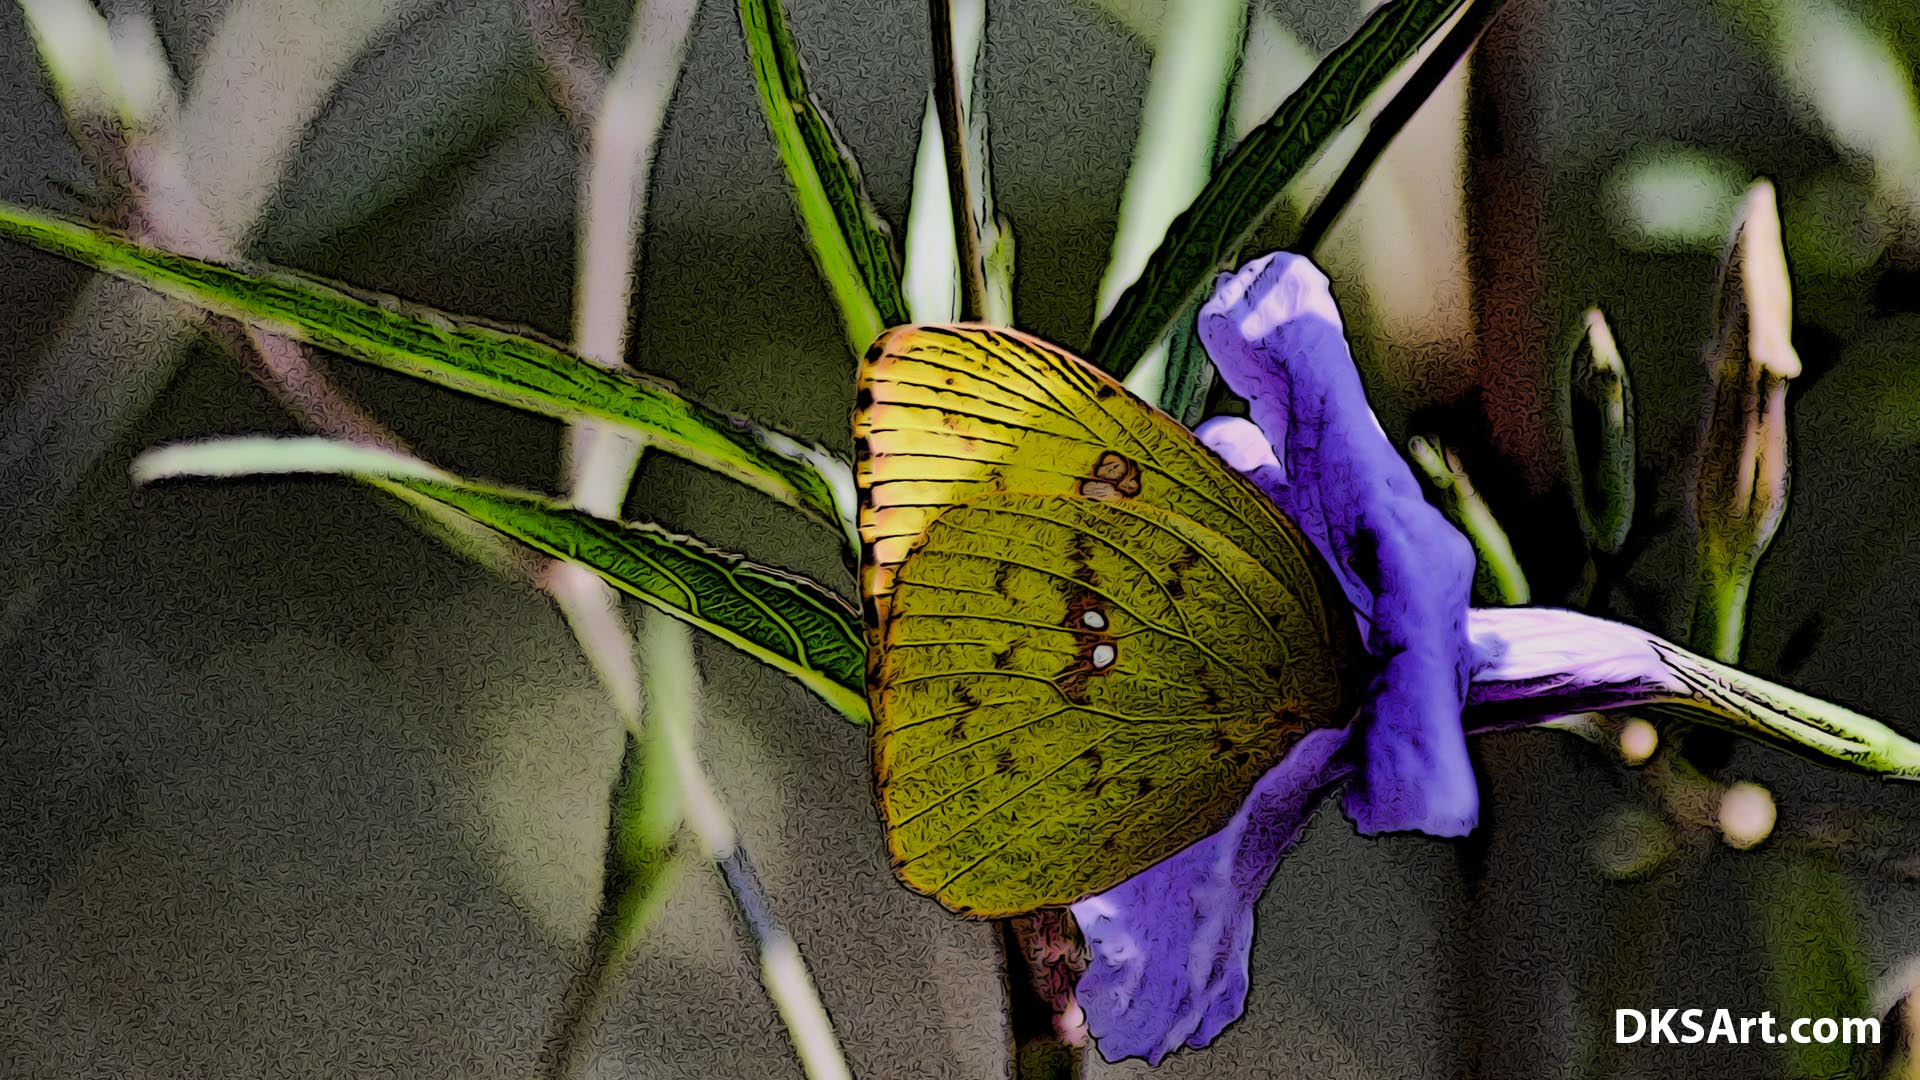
{"x": 1168, "y": 947}
{"x": 1274, "y": 332}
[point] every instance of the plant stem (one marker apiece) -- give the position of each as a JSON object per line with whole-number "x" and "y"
{"x": 953, "y": 139}
{"x": 1044, "y": 959}
{"x": 1720, "y": 615}
{"x": 1393, "y": 116}
{"x": 587, "y": 990}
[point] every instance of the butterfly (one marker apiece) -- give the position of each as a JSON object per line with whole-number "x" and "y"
{"x": 1088, "y": 636}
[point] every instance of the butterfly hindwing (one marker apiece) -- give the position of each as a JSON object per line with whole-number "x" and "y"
{"x": 1072, "y": 689}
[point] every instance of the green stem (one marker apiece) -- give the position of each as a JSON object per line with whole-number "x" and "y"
{"x": 1720, "y": 614}
{"x": 1393, "y": 116}
{"x": 1044, "y": 957}
{"x": 953, "y": 140}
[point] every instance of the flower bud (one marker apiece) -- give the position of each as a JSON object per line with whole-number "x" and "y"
{"x": 1741, "y": 491}
{"x": 1600, "y": 419}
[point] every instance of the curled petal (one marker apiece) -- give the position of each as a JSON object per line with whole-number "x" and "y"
{"x": 1274, "y": 332}
{"x": 1168, "y": 947}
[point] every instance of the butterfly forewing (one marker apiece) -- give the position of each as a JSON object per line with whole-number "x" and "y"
{"x": 948, "y": 414}
{"x": 1073, "y": 689}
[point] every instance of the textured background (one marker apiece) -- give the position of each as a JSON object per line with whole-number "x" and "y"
{"x": 287, "y": 789}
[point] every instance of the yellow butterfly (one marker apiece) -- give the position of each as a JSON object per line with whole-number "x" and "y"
{"x": 1088, "y": 635}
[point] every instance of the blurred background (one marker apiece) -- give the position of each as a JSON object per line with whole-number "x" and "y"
{"x": 287, "y": 788}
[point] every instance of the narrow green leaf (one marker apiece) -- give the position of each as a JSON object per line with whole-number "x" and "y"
{"x": 1205, "y": 237}
{"x": 788, "y": 622}
{"x": 1391, "y": 118}
{"x": 850, "y": 241}
{"x": 1811, "y": 928}
{"x": 1181, "y": 138}
{"x": 1000, "y": 255}
{"x": 931, "y": 280}
{"x": 1179, "y": 124}
{"x": 1189, "y": 375}
{"x": 1497, "y": 577}
{"x": 511, "y": 367}
{"x": 643, "y": 861}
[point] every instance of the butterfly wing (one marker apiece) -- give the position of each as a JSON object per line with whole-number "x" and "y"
{"x": 1088, "y": 635}
{"x": 947, "y": 414}
{"x": 1073, "y": 689}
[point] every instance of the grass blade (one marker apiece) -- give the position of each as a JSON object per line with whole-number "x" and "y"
{"x": 513, "y": 368}
{"x": 850, "y": 242}
{"x": 1497, "y": 576}
{"x": 931, "y": 280}
{"x": 788, "y": 622}
{"x": 1204, "y": 237}
{"x": 948, "y": 98}
{"x": 1180, "y": 139}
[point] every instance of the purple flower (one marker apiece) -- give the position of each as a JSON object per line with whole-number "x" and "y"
{"x": 1168, "y": 947}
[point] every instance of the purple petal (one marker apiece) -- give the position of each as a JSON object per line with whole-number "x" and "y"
{"x": 1274, "y": 332}
{"x": 1168, "y": 947}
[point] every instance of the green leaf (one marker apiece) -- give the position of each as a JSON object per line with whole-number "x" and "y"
{"x": 931, "y": 279}
{"x": 788, "y": 622}
{"x": 1812, "y": 933}
{"x": 511, "y": 367}
{"x": 648, "y": 809}
{"x": 643, "y": 859}
{"x": 1205, "y": 237}
{"x": 1180, "y": 140}
{"x": 1497, "y": 577}
{"x": 850, "y": 241}
{"x": 1179, "y": 127}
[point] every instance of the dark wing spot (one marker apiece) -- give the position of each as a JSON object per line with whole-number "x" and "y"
{"x": 965, "y": 697}
{"x": 1105, "y": 391}
{"x": 1098, "y": 489}
{"x": 1001, "y": 580}
{"x": 1003, "y": 660}
{"x": 863, "y": 398}
{"x": 1143, "y": 787}
{"x": 1114, "y": 476}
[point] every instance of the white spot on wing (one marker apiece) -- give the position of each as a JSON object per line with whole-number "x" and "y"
{"x": 1104, "y": 655}
{"x": 1093, "y": 620}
